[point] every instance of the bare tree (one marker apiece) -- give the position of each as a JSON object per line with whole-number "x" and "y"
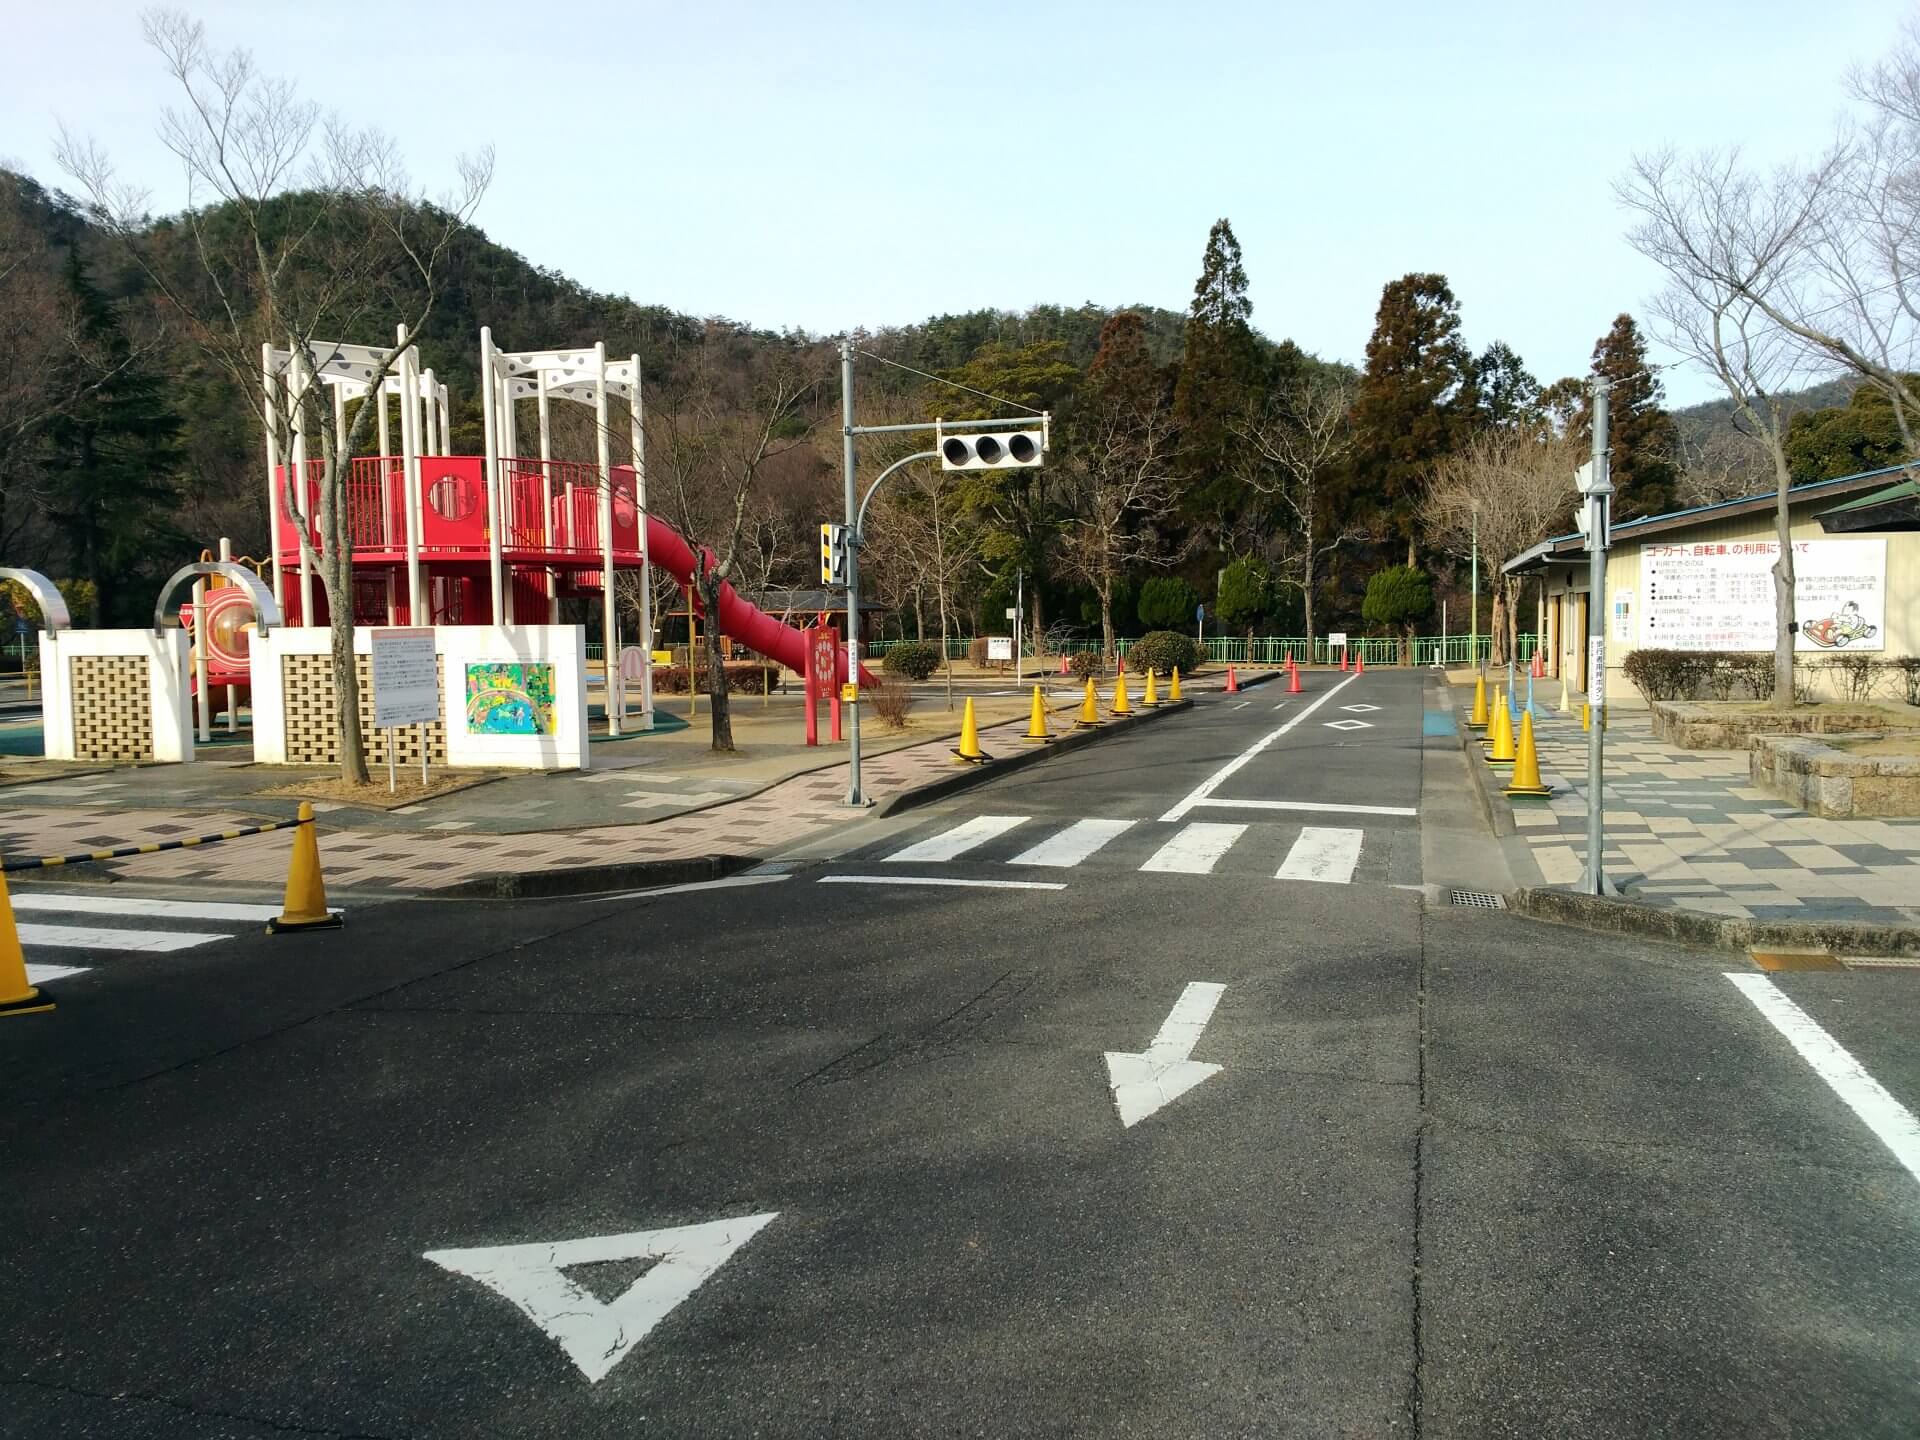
{"x": 302, "y": 229}
{"x": 731, "y": 408}
{"x": 1718, "y": 465}
{"x": 925, "y": 525}
{"x": 1121, "y": 490}
{"x": 1296, "y": 442}
{"x": 1736, "y": 249}
{"x": 1510, "y": 489}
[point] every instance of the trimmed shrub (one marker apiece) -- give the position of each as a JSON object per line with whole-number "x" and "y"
{"x": 1667, "y": 674}
{"x": 743, "y": 678}
{"x": 891, "y": 699}
{"x": 1753, "y": 671}
{"x": 1855, "y": 677}
{"x": 977, "y": 652}
{"x": 915, "y": 659}
{"x": 1907, "y": 670}
{"x": 1162, "y": 650}
{"x": 1086, "y": 664}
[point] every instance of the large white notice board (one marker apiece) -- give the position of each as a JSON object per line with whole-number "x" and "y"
{"x": 1718, "y": 595}
{"x": 406, "y": 677}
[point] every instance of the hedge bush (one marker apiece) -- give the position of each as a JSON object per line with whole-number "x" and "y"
{"x": 743, "y": 678}
{"x": 1856, "y": 677}
{"x": 1162, "y": 650}
{"x": 915, "y": 659}
{"x": 977, "y": 652}
{"x": 1085, "y": 664}
{"x": 1907, "y": 670}
{"x": 1667, "y": 674}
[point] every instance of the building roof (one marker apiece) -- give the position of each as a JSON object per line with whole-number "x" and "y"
{"x": 810, "y": 602}
{"x": 1571, "y": 548}
{"x": 1897, "y": 507}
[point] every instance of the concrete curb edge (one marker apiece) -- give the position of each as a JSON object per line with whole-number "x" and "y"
{"x": 1716, "y": 932}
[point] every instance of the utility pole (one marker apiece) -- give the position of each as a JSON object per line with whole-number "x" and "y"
{"x": 854, "y": 797}
{"x": 1019, "y": 619}
{"x": 1593, "y": 881}
{"x": 1473, "y": 636}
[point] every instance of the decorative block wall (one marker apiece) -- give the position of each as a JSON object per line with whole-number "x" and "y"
{"x": 314, "y": 739}
{"x": 112, "y": 714}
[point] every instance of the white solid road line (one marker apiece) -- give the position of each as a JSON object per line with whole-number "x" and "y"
{"x": 726, "y": 882}
{"x": 957, "y": 841}
{"x": 1865, "y": 1096}
{"x": 1329, "y": 856}
{"x": 1241, "y": 705}
{"x": 79, "y": 937}
{"x": 1314, "y": 805}
{"x": 941, "y": 880}
{"x": 157, "y": 909}
{"x": 1219, "y": 777}
{"x": 1195, "y": 850}
{"x": 40, "y": 974}
{"x": 1073, "y": 844}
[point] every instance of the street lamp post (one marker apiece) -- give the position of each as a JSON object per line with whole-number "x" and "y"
{"x": 1473, "y": 635}
{"x": 1598, "y": 490}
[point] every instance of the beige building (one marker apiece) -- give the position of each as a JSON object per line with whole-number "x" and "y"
{"x": 1701, "y": 579}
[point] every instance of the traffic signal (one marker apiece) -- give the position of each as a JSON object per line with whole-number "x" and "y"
{"x": 1002, "y": 450}
{"x": 833, "y": 554}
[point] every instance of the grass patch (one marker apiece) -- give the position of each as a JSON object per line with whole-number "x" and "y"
{"x": 1905, "y": 746}
{"x": 375, "y": 795}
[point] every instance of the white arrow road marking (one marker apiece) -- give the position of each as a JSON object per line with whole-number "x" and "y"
{"x": 1142, "y": 1083}
{"x": 1891, "y": 1121}
{"x": 596, "y": 1336}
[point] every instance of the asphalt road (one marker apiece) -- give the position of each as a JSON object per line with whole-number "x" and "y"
{"x": 1456, "y": 1173}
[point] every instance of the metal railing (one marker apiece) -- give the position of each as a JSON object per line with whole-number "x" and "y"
{"x": 1271, "y": 649}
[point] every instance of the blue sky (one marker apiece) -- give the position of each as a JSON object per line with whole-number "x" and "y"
{"x": 825, "y": 165}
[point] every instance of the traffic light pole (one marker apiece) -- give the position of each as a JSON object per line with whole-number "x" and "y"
{"x": 1593, "y": 880}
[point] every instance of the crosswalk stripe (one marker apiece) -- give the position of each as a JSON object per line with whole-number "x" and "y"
{"x": 1196, "y": 849}
{"x": 1322, "y": 854}
{"x": 1073, "y": 844}
{"x": 40, "y": 974}
{"x": 957, "y": 841}
{"x": 134, "y": 905}
{"x": 81, "y": 937}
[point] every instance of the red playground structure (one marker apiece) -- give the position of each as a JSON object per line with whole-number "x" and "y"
{"x": 500, "y": 538}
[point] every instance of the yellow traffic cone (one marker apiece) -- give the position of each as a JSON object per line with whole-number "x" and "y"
{"x": 1037, "y": 722}
{"x": 969, "y": 752}
{"x": 1173, "y": 690}
{"x": 1120, "y": 705}
{"x": 1150, "y": 697}
{"x": 305, "y": 907}
{"x": 1494, "y": 712}
{"x": 1526, "y": 764}
{"x": 17, "y": 995}
{"x": 1089, "y": 707}
{"x": 1478, "y": 719}
{"x": 1503, "y": 751}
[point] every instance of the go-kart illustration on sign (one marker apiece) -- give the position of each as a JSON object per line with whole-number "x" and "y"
{"x": 1718, "y": 595}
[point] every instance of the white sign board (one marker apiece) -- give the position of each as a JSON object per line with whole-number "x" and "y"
{"x": 406, "y": 678}
{"x": 1597, "y": 669}
{"x": 1718, "y": 595}
{"x": 999, "y": 647}
{"x": 1337, "y": 637}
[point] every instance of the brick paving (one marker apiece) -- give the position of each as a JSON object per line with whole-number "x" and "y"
{"x": 1686, "y": 828}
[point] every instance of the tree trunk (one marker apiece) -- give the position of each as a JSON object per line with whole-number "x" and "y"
{"x": 946, "y": 653}
{"x": 1306, "y": 594}
{"x": 336, "y": 582}
{"x": 1106, "y": 624}
{"x": 716, "y": 670}
{"x": 1497, "y": 648}
{"x": 1782, "y": 587}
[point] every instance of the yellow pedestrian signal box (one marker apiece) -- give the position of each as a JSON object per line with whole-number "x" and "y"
{"x": 833, "y": 554}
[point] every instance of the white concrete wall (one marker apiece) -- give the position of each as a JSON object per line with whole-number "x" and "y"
{"x": 562, "y": 646}
{"x": 168, "y": 698}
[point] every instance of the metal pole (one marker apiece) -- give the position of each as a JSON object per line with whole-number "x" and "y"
{"x": 1473, "y": 636}
{"x": 1019, "y": 619}
{"x": 1594, "y": 881}
{"x": 854, "y": 795}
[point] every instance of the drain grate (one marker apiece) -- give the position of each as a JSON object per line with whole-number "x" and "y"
{"x": 1481, "y": 899}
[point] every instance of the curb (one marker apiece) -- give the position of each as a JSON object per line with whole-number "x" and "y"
{"x": 1499, "y": 817}
{"x": 1715, "y": 932}
{"x": 979, "y": 774}
{"x": 588, "y": 879}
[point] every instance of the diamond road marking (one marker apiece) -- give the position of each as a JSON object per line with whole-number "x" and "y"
{"x": 1360, "y": 709}
{"x": 1349, "y": 724}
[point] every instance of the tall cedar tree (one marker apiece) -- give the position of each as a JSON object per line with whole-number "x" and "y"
{"x": 1417, "y": 400}
{"x": 1509, "y": 395}
{"x": 1643, "y": 442}
{"x": 1220, "y": 371}
{"x": 110, "y": 460}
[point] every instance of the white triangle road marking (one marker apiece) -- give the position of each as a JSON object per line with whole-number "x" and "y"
{"x": 40, "y": 974}
{"x": 596, "y": 1336}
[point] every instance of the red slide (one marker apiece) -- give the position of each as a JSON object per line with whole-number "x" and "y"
{"x": 746, "y": 623}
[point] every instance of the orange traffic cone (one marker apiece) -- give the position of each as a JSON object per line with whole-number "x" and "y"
{"x": 1063, "y": 665}
{"x": 1090, "y": 707}
{"x": 17, "y": 995}
{"x": 1293, "y": 682}
{"x": 1233, "y": 684}
{"x": 1478, "y": 719}
{"x": 1503, "y": 752}
{"x": 969, "y": 752}
{"x": 1037, "y": 721}
{"x": 1360, "y": 661}
{"x": 1120, "y": 705}
{"x": 1526, "y": 764}
{"x": 1343, "y": 658}
{"x": 305, "y": 906}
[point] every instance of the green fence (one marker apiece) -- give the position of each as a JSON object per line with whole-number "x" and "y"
{"x": 1275, "y": 649}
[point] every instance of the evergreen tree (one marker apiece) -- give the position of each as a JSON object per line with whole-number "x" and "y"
{"x": 1417, "y": 400}
{"x": 1221, "y": 369}
{"x": 1643, "y": 443}
{"x": 1846, "y": 439}
{"x": 111, "y": 462}
{"x": 1509, "y": 395}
